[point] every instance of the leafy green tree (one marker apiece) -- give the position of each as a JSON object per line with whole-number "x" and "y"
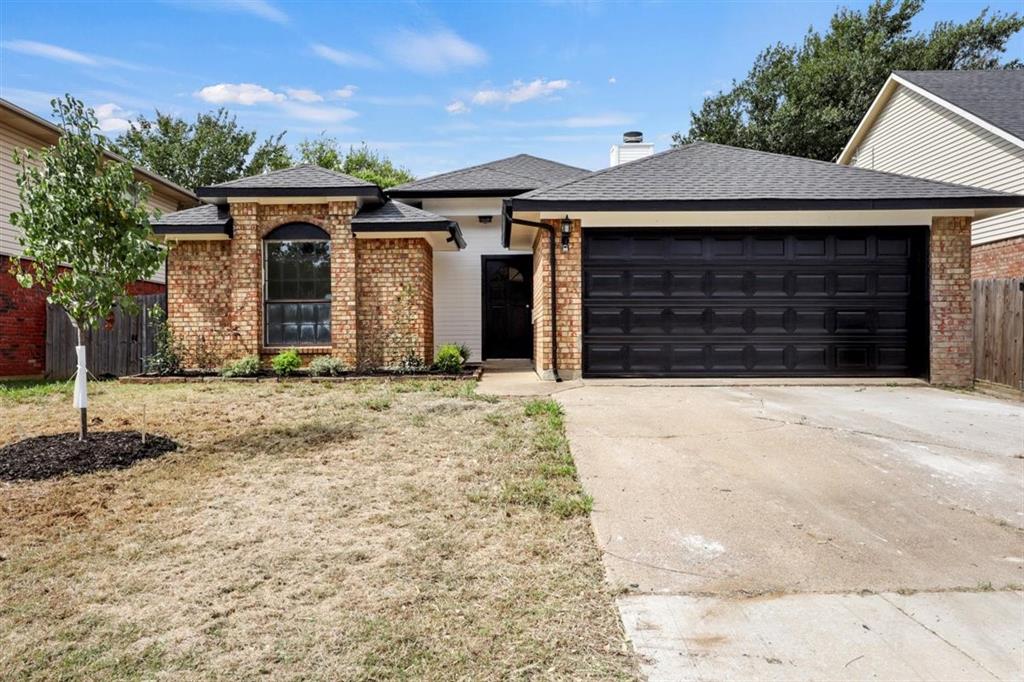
{"x": 213, "y": 149}
{"x": 362, "y": 162}
{"x": 85, "y": 225}
{"x": 807, "y": 99}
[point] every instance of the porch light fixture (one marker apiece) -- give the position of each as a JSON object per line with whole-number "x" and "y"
{"x": 566, "y": 230}
{"x": 484, "y": 219}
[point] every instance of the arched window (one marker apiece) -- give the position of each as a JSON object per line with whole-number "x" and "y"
{"x": 297, "y": 286}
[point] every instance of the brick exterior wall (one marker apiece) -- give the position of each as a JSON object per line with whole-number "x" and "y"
{"x": 998, "y": 260}
{"x": 395, "y": 310}
{"x": 216, "y": 288}
{"x": 951, "y": 328}
{"x": 568, "y": 302}
{"x": 23, "y": 322}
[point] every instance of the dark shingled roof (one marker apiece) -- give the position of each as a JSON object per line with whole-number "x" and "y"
{"x": 303, "y": 180}
{"x": 706, "y": 176}
{"x": 995, "y": 96}
{"x": 501, "y": 178}
{"x": 399, "y": 217}
{"x": 203, "y": 219}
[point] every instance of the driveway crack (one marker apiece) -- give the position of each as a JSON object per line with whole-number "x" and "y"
{"x": 940, "y": 637}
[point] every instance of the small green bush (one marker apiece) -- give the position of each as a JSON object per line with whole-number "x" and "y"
{"x": 449, "y": 359}
{"x": 465, "y": 352}
{"x": 166, "y": 356}
{"x": 327, "y": 366}
{"x": 286, "y": 362}
{"x": 249, "y": 366}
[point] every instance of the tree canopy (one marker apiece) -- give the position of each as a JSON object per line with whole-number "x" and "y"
{"x": 84, "y": 220}
{"x": 212, "y": 149}
{"x": 362, "y": 162}
{"x": 807, "y": 99}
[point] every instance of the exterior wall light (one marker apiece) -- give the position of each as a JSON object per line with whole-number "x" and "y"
{"x": 566, "y": 231}
{"x": 484, "y": 219}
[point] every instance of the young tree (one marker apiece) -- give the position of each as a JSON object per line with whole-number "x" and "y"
{"x": 361, "y": 162}
{"x": 85, "y": 226}
{"x": 807, "y": 99}
{"x": 211, "y": 150}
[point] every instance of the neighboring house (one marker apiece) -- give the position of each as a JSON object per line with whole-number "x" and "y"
{"x": 482, "y": 294}
{"x": 23, "y": 311}
{"x": 704, "y": 260}
{"x": 965, "y": 127}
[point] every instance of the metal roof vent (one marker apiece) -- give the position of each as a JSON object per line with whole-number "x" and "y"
{"x": 632, "y": 148}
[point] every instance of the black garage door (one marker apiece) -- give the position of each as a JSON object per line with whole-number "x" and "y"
{"x": 755, "y": 302}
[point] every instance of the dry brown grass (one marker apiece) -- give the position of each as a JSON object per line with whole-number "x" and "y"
{"x": 306, "y": 531}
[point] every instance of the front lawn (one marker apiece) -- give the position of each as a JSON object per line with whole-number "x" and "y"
{"x": 314, "y": 531}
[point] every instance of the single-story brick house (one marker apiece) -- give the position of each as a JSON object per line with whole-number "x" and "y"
{"x": 23, "y": 311}
{"x": 965, "y": 127}
{"x": 704, "y": 260}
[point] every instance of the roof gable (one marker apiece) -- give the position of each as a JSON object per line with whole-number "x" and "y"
{"x": 503, "y": 177}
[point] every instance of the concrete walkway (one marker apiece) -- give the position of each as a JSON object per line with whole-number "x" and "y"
{"x": 809, "y": 532}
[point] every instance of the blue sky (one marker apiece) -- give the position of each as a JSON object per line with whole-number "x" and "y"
{"x": 437, "y": 86}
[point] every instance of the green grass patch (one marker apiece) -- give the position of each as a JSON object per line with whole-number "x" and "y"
{"x": 22, "y": 390}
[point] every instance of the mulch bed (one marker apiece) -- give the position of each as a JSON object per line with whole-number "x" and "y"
{"x": 45, "y": 457}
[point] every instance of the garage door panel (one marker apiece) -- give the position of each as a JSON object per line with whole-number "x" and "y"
{"x": 754, "y": 302}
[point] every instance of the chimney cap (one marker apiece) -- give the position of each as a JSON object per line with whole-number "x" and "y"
{"x": 632, "y": 137}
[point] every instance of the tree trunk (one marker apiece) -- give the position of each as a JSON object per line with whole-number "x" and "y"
{"x": 83, "y": 424}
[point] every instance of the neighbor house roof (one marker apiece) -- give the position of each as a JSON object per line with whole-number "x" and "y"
{"x": 395, "y": 216}
{"x": 991, "y": 99}
{"x": 501, "y": 178}
{"x": 302, "y": 180}
{"x": 703, "y": 176}
{"x": 41, "y": 129}
{"x": 203, "y": 219}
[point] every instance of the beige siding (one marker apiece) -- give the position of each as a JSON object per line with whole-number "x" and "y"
{"x": 11, "y": 139}
{"x": 915, "y": 136}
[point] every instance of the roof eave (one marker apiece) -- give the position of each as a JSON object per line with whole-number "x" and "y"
{"x": 383, "y": 227}
{"x": 703, "y": 205}
{"x": 454, "y": 194}
{"x": 271, "y": 192}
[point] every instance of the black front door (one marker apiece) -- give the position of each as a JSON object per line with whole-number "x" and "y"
{"x": 508, "y": 293}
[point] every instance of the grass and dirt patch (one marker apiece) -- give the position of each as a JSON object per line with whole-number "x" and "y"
{"x": 364, "y": 530}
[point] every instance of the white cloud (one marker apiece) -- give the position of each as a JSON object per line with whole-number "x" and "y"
{"x": 342, "y": 58}
{"x": 62, "y": 54}
{"x": 457, "y": 107}
{"x": 317, "y": 114}
{"x": 520, "y": 92}
{"x": 345, "y": 92}
{"x": 112, "y": 118}
{"x": 257, "y": 8}
{"x": 434, "y": 52}
{"x": 245, "y": 94}
{"x": 612, "y": 80}
{"x": 303, "y": 95}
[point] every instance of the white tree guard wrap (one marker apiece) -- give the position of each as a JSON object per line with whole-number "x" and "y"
{"x": 81, "y": 394}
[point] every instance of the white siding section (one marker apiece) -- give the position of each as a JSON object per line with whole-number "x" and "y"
{"x": 915, "y": 136}
{"x": 458, "y": 293}
{"x": 11, "y": 139}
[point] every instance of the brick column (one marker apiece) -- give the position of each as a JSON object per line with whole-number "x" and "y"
{"x": 344, "y": 326}
{"x": 951, "y": 321}
{"x": 568, "y": 302}
{"x": 246, "y": 279}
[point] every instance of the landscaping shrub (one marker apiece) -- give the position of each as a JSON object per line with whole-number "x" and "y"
{"x": 410, "y": 364}
{"x": 165, "y": 358}
{"x": 249, "y": 366}
{"x": 286, "y": 362}
{"x": 465, "y": 352}
{"x": 327, "y": 366}
{"x": 449, "y": 359}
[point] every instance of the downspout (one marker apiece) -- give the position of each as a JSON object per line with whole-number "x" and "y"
{"x": 551, "y": 257}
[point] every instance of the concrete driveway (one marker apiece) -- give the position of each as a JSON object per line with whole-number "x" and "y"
{"x": 809, "y": 532}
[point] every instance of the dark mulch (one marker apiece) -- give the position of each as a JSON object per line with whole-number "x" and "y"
{"x": 45, "y": 457}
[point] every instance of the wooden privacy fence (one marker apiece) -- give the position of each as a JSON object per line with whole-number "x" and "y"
{"x": 111, "y": 350}
{"x": 999, "y": 331}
